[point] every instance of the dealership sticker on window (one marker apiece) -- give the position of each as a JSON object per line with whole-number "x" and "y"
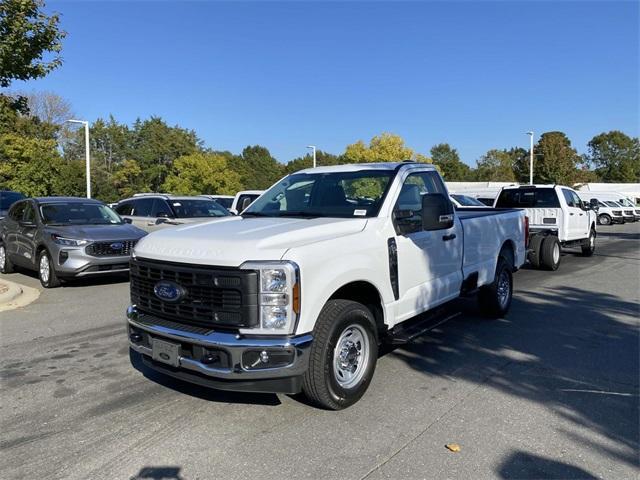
{"x": 359, "y": 213}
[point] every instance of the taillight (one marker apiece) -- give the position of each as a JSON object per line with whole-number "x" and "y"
{"x": 526, "y": 232}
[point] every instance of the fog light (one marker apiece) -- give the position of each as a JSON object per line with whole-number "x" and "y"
{"x": 211, "y": 358}
{"x": 135, "y": 337}
{"x": 63, "y": 257}
{"x": 259, "y": 359}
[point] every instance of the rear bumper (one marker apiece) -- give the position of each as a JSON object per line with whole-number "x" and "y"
{"x": 222, "y": 360}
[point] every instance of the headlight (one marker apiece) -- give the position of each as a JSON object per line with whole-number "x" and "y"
{"x": 68, "y": 242}
{"x": 279, "y": 297}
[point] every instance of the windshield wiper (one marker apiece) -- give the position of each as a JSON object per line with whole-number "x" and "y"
{"x": 300, "y": 214}
{"x": 255, "y": 214}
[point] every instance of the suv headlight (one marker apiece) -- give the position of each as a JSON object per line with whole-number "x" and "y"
{"x": 68, "y": 242}
{"x": 279, "y": 296}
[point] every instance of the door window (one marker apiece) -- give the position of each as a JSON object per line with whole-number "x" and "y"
{"x": 29, "y": 214}
{"x": 161, "y": 209}
{"x": 569, "y": 198}
{"x": 408, "y": 209}
{"x": 125, "y": 208}
{"x": 143, "y": 207}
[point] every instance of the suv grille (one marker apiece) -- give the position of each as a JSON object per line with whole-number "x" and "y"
{"x": 214, "y": 296}
{"x": 114, "y": 248}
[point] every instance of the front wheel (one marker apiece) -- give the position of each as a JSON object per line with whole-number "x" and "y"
{"x": 604, "y": 219}
{"x": 343, "y": 355}
{"x": 494, "y": 300}
{"x": 589, "y": 246}
{"x": 6, "y": 266}
{"x": 46, "y": 272}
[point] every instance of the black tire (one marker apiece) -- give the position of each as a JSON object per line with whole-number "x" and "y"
{"x": 535, "y": 246}
{"x": 321, "y": 384}
{"x": 604, "y": 219}
{"x": 494, "y": 300}
{"x": 589, "y": 245}
{"x": 550, "y": 253}
{"x": 7, "y": 265}
{"x": 52, "y": 281}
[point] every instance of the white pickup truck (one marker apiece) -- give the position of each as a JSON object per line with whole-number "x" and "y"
{"x": 299, "y": 291}
{"x": 558, "y": 218}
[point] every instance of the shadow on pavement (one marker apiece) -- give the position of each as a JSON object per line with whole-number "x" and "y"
{"x": 525, "y": 466}
{"x": 158, "y": 473}
{"x": 106, "y": 279}
{"x": 568, "y": 353}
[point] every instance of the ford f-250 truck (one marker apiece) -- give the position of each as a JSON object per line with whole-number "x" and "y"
{"x": 298, "y": 292}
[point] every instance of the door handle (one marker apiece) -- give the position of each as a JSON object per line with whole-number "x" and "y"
{"x": 571, "y": 213}
{"x": 446, "y": 238}
{"x": 581, "y": 214}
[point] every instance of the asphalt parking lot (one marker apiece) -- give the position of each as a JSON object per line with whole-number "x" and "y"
{"x": 550, "y": 392}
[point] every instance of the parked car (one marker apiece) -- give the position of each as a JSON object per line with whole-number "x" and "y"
{"x": 460, "y": 200}
{"x": 558, "y": 218}
{"x": 627, "y": 213}
{"x": 243, "y": 199}
{"x": 607, "y": 214}
{"x": 156, "y": 211}
{"x": 225, "y": 200}
{"x": 629, "y": 208}
{"x": 298, "y": 292}
{"x": 65, "y": 237}
{"x": 8, "y": 198}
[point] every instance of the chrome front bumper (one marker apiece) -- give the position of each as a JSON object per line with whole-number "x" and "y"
{"x": 197, "y": 345}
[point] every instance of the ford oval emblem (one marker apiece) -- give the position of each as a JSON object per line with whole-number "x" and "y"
{"x": 169, "y": 291}
{"x": 117, "y": 246}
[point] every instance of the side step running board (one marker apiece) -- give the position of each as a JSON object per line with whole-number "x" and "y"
{"x": 406, "y": 331}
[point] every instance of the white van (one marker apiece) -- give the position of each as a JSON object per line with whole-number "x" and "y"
{"x": 630, "y": 211}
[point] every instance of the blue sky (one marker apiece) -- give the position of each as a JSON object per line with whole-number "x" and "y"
{"x": 286, "y": 75}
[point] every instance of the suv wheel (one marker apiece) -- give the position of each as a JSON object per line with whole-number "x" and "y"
{"x": 343, "y": 355}
{"x": 5, "y": 263}
{"x": 46, "y": 272}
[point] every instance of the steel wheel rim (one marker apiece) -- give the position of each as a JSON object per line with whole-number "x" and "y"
{"x": 44, "y": 268}
{"x": 604, "y": 220}
{"x": 351, "y": 356}
{"x": 556, "y": 253}
{"x": 504, "y": 288}
{"x": 592, "y": 241}
{"x": 3, "y": 256}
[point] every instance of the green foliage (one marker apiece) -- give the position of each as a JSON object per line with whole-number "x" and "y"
{"x": 451, "y": 167}
{"x": 27, "y": 35}
{"x": 616, "y": 156}
{"x": 495, "y": 166}
{"x": 555, "y": 161}
{"x": 258, "y": 170}
{"x": 386, "y": 147}
{"x": 29, "y": 165}
{"x": 202, "y": 173}
{"x": 323, "y": 159}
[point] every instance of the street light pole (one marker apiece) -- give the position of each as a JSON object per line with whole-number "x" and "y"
{"x": 313, "y": 148}
{"x": 530, "y": 157}
{"x": 86, "y": 153}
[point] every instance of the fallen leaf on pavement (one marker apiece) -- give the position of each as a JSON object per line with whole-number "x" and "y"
{"x": 454, "y": 447}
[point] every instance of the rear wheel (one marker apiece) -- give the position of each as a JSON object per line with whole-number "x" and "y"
{"x": 550, "y": 253}
{"x": 46, "y": 272}
{"x": 589, "y": 245}
{"x": 494, "y": 300}
{"x": 343, "y": 355}
{"x": 604, "y": 219}
{"x": 535, "y": 246}
{"x": 5, "y": 263}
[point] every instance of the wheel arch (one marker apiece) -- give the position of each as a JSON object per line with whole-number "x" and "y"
{"x": 366, "y": 293}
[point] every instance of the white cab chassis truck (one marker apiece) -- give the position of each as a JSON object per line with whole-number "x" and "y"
{"x": 298, "y": 292}
{"x": 558, "y": 218}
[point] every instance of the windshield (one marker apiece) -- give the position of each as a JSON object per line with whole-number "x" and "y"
{"x": 9, "y": 198}
{"x": 225, "y": 202}
{"x": 75, "y": 213}
{"x": 528, "y": 198}
{"x": 335, "y": 194}
{"x": 196, "y": 208}
{"x": 612, "y": 204}
{"x": 467, "y": 201}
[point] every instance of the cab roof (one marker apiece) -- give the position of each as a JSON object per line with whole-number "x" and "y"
{"x": 355, "y": 167}
{"x": 66, "y": 200}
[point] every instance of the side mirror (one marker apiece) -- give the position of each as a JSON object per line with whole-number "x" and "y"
{"x": 437, "y": 212}
{"x": 403, "y": 214}
{"x": 127, "y": 220}
{"x": 161, "y": 220}
{"x": 163, "y": 215}
{"x": 594, "y": 203}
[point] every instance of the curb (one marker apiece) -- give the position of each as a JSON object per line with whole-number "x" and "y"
{"x": 16, "y": 295}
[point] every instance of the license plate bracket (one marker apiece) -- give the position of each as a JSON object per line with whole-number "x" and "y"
{"x": 165, "y": 352}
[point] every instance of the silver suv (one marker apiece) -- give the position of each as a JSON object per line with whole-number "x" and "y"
{"x": 155, "y": 211}
{"x": 64, "y": 237}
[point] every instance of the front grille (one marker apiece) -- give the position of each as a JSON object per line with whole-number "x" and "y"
{"x": 628, "y": 212}
{"x": 616, "y": 212}
{"x": 214, "y": 296}
{"x": 114, "y": 248}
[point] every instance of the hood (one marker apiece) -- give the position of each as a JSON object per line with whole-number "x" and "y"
{"x": 232, "y": 241}
{"x": 124, "y": 231}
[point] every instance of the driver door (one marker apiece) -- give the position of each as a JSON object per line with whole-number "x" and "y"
{"x": 429, "y": 262}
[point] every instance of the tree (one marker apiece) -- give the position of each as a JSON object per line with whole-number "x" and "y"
{"x": 616, "y": 156}
{"x": 27, "y": 36}
{"x": 386, "y": 147}
{"x": 201, "y": 173}
{"x": 495, "y": 166}
{"x": 128, "y": 178}
{"x": 257, "y": 168}
{"x": 322, "y": 159}
{"x": 48, "y": 107}
{"x": 520, "y": 161}
{"x": 448, "y": 161}
{"x": 555, "y": 161}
